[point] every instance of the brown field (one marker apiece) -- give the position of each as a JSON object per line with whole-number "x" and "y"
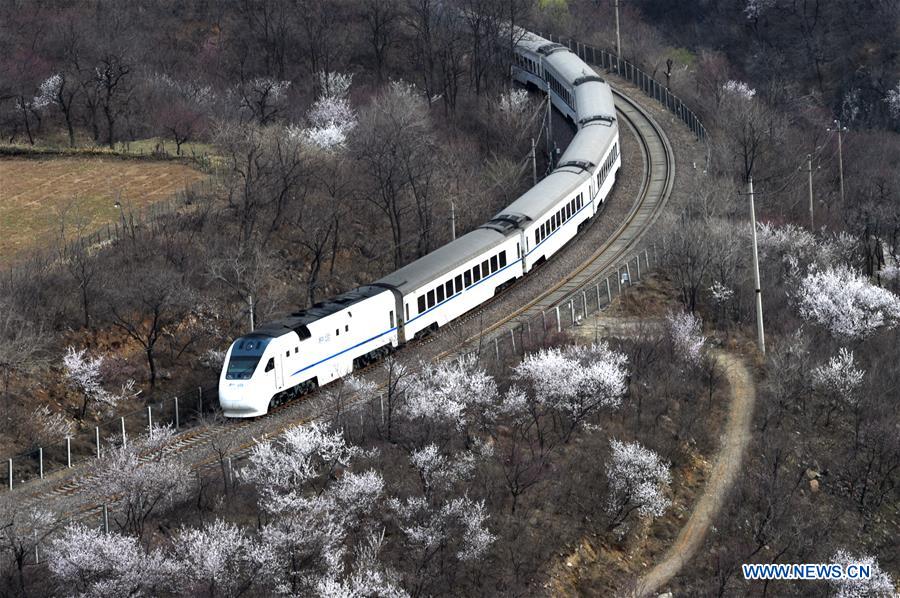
{"x": 39, "y": 198}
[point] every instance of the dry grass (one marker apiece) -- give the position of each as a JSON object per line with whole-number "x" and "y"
{"x": 39, "y": 196}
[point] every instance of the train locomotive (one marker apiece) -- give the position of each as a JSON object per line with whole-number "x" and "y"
{"x": 315, "y": 346}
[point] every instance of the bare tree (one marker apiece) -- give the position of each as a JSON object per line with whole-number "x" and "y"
{"x": 147, "y": 306}
{"x": 393, "y": 132}
{"x": 382, "y": 18}
{"x": 22, "y": 530}
{"x": 112, "y": 78}
{"x": 21, "y": 345}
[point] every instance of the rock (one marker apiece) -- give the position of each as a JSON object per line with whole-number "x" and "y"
{"x": 812, "y": 474}
{"x": 814, "y": 486}
{"x": 665, "y": 595}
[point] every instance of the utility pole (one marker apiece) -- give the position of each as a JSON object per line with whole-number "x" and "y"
{"x": 812, "y": 225}
{"x": 840, "y": 130}
{"x": 760, "y": 335}
{"x": 533, "y": 163}
{"x": 549, "y": 126}
{"x": 618, "y": 38}
{"x": 453, "y": 214}
{"x": 252, "y": 324}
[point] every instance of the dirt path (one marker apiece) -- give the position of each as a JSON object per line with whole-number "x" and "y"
{"x": 728, "y": 462}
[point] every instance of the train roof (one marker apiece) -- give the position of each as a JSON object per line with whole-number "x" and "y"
{"x": 297, "y": 321}
{"x": 535, "y": 202}
{"x": 442, "y": 260}
{"x": 594, "y": 100}
{"x": 569, "y": 66}
{"x": 536, "y": 44}
{"x": 590, "y": 144}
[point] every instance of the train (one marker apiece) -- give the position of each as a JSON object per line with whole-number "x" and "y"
{"x": 316, "y": 346}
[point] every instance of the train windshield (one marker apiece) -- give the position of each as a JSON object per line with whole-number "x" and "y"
{"x": 245, "y": 356}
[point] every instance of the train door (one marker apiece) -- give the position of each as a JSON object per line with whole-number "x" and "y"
{"x": 270, "y": 373}
{"x": 279, "y": 371}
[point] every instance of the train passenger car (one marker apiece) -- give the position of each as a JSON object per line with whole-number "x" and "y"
{"x": 307, "y": 349}
{"x": 321, "y": 344}
{"x": 454, "y": 279}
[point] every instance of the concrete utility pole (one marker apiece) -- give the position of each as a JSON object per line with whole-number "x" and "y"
{"x": 252, "y": 314}
{"x": 453, "y": 213}
{"x": 618, "y": 38}
{"x": 840, "y": 130}
{"x": 760, "y": 335}
{"x": 533, "y": 163}
{"x": 812, "y": 225}
{"x": 549, "y": 126}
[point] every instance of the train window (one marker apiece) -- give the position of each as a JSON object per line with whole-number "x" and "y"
{"x": 484, "y": 269}
{"x": 518, "y": 252}
{"x": 430, "y": 299}
{"x": 392, "y": 318}
{"x": 337, "y": 332}
{"x": 568, "y": 212}
{"x": 467, "y": 276}
{"x": 422, "y": 304}
{"x": 459, "y": 285}
{"x": 296, "y": 350}
{"x": 270, "y": 365}
{"x": 407, "y": 311}
{"x": 503, "y": 256}
{"x": 449, "y": 287}
{"x": 440, "y": 293}
{"x": 476, "y": 273}
{"x": 346, "y": 328}
{"x": 493, "y": 263}
{"x": 287, "y": 353}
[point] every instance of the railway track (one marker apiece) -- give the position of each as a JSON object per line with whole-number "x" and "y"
{"x": 197, "y": 446}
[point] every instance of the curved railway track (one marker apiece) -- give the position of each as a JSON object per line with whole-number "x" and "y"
{"x": 196, "y": 446}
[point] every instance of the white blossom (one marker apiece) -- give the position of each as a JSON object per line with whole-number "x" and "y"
{"x": 141, "y": 477}
{"x": 88, "y": 562}
{"x": 85, "y": 375}
{"x": 638, "y": 478}
{"x": 796, "y": 246}
{"x": 686, "y": 332}
{"x": 220, "y": 556}
{"x": 846, "y": 303}
{"x": 851, "y": 105}
{"x": 459, "y": 520}
{"x": 368, "y": 577}
{"x": 313, "y": 501}
{"x": 878, "y": 585}
{"x": 839, "y": 376}
{"x": 514, "y": 102}
{"x": 334, "y": 84}
{"x": 788, "y": 240}
{"x": 275, "y": 89}
{"x": 201, "y": 95}
{"x": 331, "y": 117}
{"x": 48, "y": 91}
{"x": 755, "y": 8}
{"x": 576, "y": 379}
{"x": 893, "y": 101}
{"x": 720, "y": 293}
{"x": 45, "y": 426}
{"x": 437, "y": 469}
{"x": 739, "y": 89}
{"x": 303, "y": 453}
{"x": 444, "y": 392}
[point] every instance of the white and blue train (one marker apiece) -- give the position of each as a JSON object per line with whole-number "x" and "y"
{"x": 318, "y": 345}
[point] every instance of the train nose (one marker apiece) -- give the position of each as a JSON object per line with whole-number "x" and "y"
{"x": 238, "y": 401}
